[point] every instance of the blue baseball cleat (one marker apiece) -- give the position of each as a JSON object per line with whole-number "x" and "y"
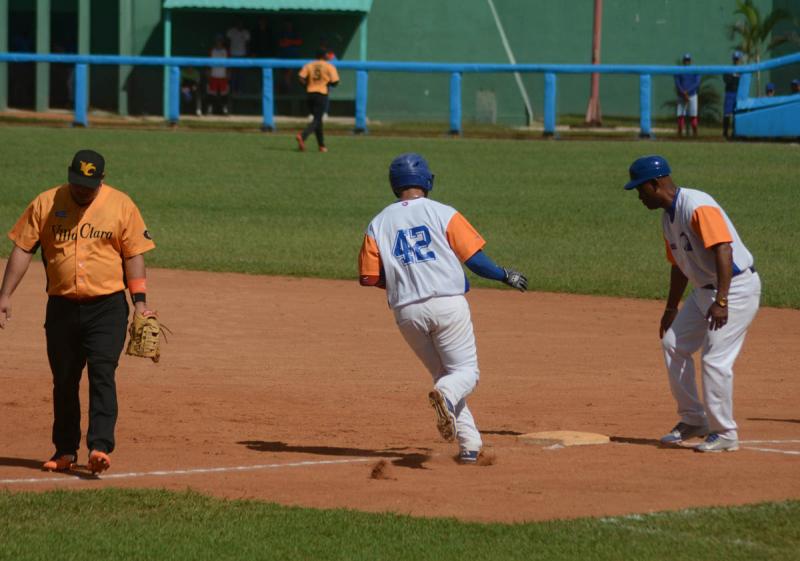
{"x": 468, "y": 456}
{"x": 683, "y": 431}
{"x": 717, "y": 443}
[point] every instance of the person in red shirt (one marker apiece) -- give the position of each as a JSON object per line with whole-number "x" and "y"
{"x": 93, "y": 241}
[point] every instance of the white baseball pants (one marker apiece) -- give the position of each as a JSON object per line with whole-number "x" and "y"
{"x": 689, "y": 332}
{"x": 686, "y": 108}
{"x": 439, "y": 331}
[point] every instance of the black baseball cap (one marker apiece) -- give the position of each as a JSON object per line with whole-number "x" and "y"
{"x": 87, "y": 169}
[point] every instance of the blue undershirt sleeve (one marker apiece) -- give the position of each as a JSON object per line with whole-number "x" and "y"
{"x": 482, "y": 265}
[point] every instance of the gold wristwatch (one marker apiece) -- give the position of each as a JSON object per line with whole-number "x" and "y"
{"x": 722, "y": 301}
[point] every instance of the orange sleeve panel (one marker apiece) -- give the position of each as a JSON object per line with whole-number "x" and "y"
{"x": 25, "y": 232}
{"x": 708, "y": 223}
{"x": 463, "y": 238}
{"x": 135, "y": 239}
{"x": 369, "y": 262}
{"x": 670, "y": 257}
{"x": 304, "y": 72}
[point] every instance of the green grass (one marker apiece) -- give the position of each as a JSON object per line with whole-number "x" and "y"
{"x": 247, "y": 202}
{"x": 151, "y": 524}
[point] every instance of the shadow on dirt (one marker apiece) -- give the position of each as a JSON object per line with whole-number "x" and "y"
{"x": 774, "y": 420}
{"x": 413, "y": 460}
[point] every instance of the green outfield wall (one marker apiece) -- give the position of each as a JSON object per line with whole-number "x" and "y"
{"x": 546, "y": 31}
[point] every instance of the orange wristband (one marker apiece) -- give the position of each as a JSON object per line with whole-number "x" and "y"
{"x": 137, "y": 286}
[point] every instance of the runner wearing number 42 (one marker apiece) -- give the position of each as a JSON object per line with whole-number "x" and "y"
{"x": 414, "y": 249}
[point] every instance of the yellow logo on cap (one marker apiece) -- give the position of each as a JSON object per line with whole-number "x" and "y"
{"x": 87, "y": 168}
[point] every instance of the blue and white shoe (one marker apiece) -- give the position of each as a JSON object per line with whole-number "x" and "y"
{"x": 445, "y": 415}
{"x": 468, "y": 456}
{"x": 717, "y": 443}
{"x": 683, "y": 431}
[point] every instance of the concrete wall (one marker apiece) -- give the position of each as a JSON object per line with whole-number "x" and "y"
{"x": 634, "y": 31}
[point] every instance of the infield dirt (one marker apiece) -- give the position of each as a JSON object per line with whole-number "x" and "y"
{"x": 269, "y": 370}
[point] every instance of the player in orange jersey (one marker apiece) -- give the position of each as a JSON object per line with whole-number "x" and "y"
{"x": 318, "y": 77}
{"x": 93, "y": 241}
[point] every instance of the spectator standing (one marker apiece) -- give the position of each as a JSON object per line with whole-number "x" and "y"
{"x": 262, "y": 44}
{"x": 770, "y": 90}
{"x": 238, "y": 47}
{"x": 687, "y": 86}
{"x": 289, "y": 45}
{"x": 731, "y": 88}
{"x": 317, "y": 76}
{"x": 218, "y": 87}
{"x": 190, "y": 90}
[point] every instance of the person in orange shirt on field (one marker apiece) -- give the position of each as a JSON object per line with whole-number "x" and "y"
{"x": 93, "y": 241}
{"x": 318, "y": 77}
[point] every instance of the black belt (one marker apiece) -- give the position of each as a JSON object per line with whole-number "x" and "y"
{"x": 751, "y": 269}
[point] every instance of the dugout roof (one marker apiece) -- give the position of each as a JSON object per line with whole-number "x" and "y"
{"x": 273, "y": 5}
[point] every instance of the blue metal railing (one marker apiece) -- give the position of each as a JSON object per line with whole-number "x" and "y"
{"x": 362, "y": 68}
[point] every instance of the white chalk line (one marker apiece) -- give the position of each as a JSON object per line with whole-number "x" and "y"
{"x": 769, "y": 442}
{"x": 167, "y": 473}
{"x": 774, "y": 450}
{"x": 771, "y": 450}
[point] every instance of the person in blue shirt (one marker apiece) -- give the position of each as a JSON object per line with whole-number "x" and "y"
{"x": 687, "y": 86}
{"x": 731, "y": 87}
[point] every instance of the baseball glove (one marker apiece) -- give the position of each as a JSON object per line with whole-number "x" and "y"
{"x": 145, "y": 332}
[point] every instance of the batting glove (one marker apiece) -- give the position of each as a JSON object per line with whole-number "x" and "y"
{"x": 516, "y": 279}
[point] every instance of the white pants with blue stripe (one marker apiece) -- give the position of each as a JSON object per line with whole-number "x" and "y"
{"x": 439, "y": 331}
{"x": 689, "y": 332}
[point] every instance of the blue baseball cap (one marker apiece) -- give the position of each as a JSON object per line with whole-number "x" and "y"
{"x": 687, "y": 56}
{"x": 737, "y": 55}
{"x": 796, "y": 82}
{"x": 770, "y": 87}
{"x": 645, "y": 169}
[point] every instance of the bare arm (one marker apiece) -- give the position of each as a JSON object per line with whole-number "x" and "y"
{"x": 135, "y": 269}
{"x": 17, "y": 266}
{"x": 718, "y": 315}
{"x": 677, "y": 286}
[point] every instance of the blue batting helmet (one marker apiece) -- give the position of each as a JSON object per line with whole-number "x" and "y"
{"x": 410, "y": 170}
{"x": 647, "y": 168}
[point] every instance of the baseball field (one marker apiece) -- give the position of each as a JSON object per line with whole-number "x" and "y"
{"x": 288, "y": 420}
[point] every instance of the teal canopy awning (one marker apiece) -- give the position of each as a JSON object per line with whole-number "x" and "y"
{"x": 273, "y": 5}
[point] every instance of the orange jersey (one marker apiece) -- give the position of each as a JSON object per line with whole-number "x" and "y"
{"x": 318, "y": 75}
{"x": 83, "y": 247}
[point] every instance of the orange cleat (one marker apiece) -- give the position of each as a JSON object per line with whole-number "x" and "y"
{"x": 300, "y": 144}
{"x": 323, "y": 149}
{"x": 98, "y": 461}
{"x": 63, "y": 462}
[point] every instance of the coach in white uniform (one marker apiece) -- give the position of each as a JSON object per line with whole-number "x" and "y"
{"x": 704, "y": 248}
{"x": 414, "y": 249}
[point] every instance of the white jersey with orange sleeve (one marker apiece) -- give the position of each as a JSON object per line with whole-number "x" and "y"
{"x": 418, "y": 246}
{"x": 692, "y": 226}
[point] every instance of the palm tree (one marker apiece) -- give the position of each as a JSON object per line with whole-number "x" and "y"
{"x": 754, "y": 31}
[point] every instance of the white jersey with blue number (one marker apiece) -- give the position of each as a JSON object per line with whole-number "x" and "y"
{"x": 417, "y": 259}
